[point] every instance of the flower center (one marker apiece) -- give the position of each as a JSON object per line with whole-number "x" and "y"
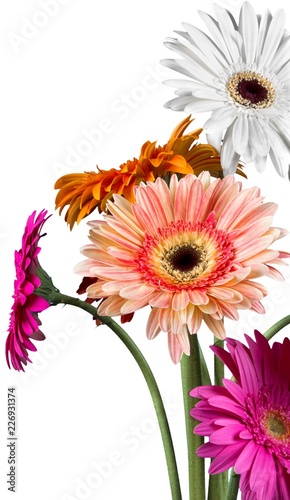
{"x": 251, "y": 90}
{"x": 185, "y": 256}
{"x": 269, "y": 421}
{"x": 277, "y": 425}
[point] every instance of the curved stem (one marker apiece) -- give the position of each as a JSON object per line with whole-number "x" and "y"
{"x": 277, "y": 327}
{"x": 59, "y": 298}
{"x": 191, "y": 378}
{"x": 218, "y": 483}
{"x": 233, "y": 488}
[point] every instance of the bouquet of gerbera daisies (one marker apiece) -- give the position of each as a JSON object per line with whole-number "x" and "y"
{"x": 177, "y": 231}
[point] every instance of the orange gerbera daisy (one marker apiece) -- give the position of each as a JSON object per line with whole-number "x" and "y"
{"x": 83, "y": 192}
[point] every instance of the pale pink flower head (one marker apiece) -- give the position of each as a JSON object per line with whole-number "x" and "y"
{"x": 190, "y": 250}
{"x": 24, "y": 321}
{"x": 248, "y": 421}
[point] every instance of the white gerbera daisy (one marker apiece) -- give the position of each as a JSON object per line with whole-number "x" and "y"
{"x": 241, "y": 75}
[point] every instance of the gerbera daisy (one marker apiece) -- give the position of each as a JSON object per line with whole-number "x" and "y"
{"x": 242, "y": 76}
{"x": 248, "y": 421}
{"x": 83, "y": 192}
{"x": 189, "y": 250}
{"x": 24, "y": 321}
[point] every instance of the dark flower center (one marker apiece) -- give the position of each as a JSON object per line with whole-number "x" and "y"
{"x": 185, "y": 258}
{"x": 252, "y": 90}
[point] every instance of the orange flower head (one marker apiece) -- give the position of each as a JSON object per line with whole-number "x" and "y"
{"x": 83, "y": 192}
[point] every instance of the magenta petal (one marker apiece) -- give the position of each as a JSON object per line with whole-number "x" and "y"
{"x": 226, "y": 458}
{"x": 209, "y": 450}
{"x": 24, "y": 322}
{"x": 227, "y": 359}
{"x": 206, "y": 391}
{"x": 205, "y": 428}
{"x": 227, "y": 435}
{"x": 246, "y": 458}
{"x": 227, "y": 404}
{"x": 39, "y": 304}
{"x": 261, "y": 469}
{"x": 247, "y": 372}
{"x": 235, "y": 390}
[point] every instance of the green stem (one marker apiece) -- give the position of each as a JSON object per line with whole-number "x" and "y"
{"x": 58, "y": 298}
{"x": 219, "y": 367}
{"x": 233, "y": 488}
{"x": 277, "y": 327}
{"x": 218, "y": 483}
{"x": 191, "y": 378}
{"x": 205, "y": 376}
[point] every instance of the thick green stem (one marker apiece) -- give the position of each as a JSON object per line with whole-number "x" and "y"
{"x": 219, "y": 367}
{"x": 233, "y": 488}
{"x": 218, "y": 483}
{"x": 205, "y": 376}
{"x": 191, "y": 378}
{"x": 277, "y": 327}
{"x": 58, "y": 298}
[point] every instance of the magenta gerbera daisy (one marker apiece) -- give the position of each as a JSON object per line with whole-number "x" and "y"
{"x": 248, "y": 421}
{"x": 24, "y": 321}
{"x": 190, "y": 250}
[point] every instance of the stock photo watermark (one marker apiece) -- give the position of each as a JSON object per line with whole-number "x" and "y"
{"x": 54, "y": 345}
{"x": 119, "y": 110}
{"x": 12, "y": 439}
{"x": 129, "y": 442}
{"x": 31, "y": 26}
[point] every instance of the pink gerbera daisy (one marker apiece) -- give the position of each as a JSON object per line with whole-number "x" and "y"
{"x": 248, "y": 421}
{"x": 189, "y": 250}
{"x": 24, "y": 322}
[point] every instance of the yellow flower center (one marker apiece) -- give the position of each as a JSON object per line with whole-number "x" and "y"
{"x": 251, "y": 90}
{"x": 185, "y": 255}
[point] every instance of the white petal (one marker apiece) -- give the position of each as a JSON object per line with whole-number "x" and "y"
{"x": 263, "y": 29}
{"x": 248, "y": 27}
{"x": 192, "y": 63}
{"x": 179, "y": 103}
{"x": 261, "y": 163}
{"x": 213, "y": 27}
{"x": 201, "y": 105}
{"x": 241, "y": 134}
{"x": 229, "y": 157}
{"x": 215, "y": 140}
{"x": 258, "y": 135}
{"x": 273, "y": 38}
{"x": 189, "y": 85}
{"x": 177, "y": 66}
{"x": 278, "y": 154}
{"x": 284, "y": 73}
{"x": 209, "y": 93}
{"x": 281, "y": 166}
{"x": 220, "y": 119}
{"x": 281, "y": 56}
{"x": 229, "y": 33}
{"x": 207, "y": 46}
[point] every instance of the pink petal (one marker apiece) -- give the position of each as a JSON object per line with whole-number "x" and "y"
{"x": 180, "y": 300}
{"x": 262, "y": 467}
{"x": 246, "y": 458}
{"x": 174, "y": 348}
{"x": 226, "y": 458}
{"x": 153, "y": 327}
{"x": 227, "y": 435}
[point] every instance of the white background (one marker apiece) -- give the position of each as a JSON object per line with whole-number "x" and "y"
{"x": 92, "y": 67}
